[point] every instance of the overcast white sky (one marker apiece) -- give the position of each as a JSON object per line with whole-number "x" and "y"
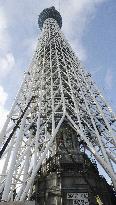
{"x": 89, "y": 26}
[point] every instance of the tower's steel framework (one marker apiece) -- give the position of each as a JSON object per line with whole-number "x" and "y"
{"x": 55, "y": 88}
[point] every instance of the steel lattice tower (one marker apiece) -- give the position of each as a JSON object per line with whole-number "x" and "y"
{"x": 56, "y": 88}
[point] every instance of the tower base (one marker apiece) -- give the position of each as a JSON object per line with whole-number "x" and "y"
{"x": 60, "y": 181}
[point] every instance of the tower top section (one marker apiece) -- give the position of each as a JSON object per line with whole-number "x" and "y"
{"x": 49, "y": 13}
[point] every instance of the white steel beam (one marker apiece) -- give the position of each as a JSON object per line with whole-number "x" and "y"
{"x": 62, "y": 90}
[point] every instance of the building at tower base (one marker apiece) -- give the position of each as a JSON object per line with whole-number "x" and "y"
{"x": 69, "y": 177}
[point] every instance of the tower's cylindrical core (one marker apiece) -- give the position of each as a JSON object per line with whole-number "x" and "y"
{"x": 49, "y": 13}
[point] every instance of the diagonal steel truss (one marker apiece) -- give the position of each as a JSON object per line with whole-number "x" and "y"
{"x": 56, "y": 87}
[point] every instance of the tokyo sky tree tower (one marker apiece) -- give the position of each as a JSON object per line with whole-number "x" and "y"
{"x": 57, "y": 93}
